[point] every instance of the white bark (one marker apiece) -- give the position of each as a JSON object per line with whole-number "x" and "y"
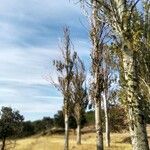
{"x": 98, "y": 127}
{"x": 66, "y": 147}
{"x": 78, "y": 134}
{"x": 130, "y": 65}
{"x": 97, "y": 78}
{"x": 137, "y": 123}
{"x": 119, "y": 19}
{"x": 107, "y": 130}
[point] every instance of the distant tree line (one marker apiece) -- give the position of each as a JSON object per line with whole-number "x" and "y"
{"x": 13, "y": 126}
{"x": 56, "y": 125}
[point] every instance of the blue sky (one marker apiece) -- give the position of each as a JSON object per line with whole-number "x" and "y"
{"x": 30, "y": 31}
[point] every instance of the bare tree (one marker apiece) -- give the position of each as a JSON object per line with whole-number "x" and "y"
{"x": 106, "y": 96}
{"x": 79, "y": 95}
{"x": 99, "y": 37}
{"x": 64, "y": 69}
{"x": 97, "y": 30}
{"x": 110, "y": 78}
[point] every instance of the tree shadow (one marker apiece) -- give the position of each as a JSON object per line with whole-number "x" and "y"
{"x": 113, "y": 147}
{"x": 126, "y": 140}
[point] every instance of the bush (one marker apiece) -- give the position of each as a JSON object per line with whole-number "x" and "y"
{"x": 28, "y": 129}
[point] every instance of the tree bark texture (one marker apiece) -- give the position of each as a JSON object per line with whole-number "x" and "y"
{"x": 107, "y": 130}
{"x": 137, "y": 124}
{"x": 98, "y": 126}
{"x": 78, "y": 133}
{"x": 97, "y": 72}
{"x": 66, "y": 147}
{"x": 3, "y": 143}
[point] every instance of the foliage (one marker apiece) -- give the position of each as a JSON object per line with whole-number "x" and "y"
{"x": 10, "y": 123}
{"x": 90, "y": 118}
{"x": 28, "y": 129}
{"x": 59, "y": 120}
{"x": 43, "y": 125}
{"x": 48, "y": 123}
{"x": 38, "y": 126}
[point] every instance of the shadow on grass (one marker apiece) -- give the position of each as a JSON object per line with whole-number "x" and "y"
{"x": 88, "y": 131}
{"x": 126, "y": 140}
{"x": 114, "y": 147}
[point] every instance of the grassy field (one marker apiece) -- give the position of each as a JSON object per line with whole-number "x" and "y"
{"x": 55, "y": 142}
{"x": 119, "y": 141}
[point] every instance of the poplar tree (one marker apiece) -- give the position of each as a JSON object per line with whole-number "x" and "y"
{"x": 79, "y": 95}
{"x": 64, "y": 69}
{"x": 97, "y": 39}
{"x": 129, "y": 23}
{"x": 126, "y": 23}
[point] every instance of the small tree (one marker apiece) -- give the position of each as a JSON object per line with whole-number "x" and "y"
{"x": 10, "y": 124}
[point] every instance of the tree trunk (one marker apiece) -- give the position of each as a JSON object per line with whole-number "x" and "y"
{"x": 137, "y": 124}
{"x": 138, "y": 131}
{"x": 107, "y": 130}
{"x": 78, "y": 133}
{"x": 97, "y": 71}
{"x": 3, "y": 143}
{"x": 66, "y": 147}
{"x": 98, "y": 126}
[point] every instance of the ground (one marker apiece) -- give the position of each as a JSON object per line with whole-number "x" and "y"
{"x": 56, "y": 142}
{"x": 119, "y": 141}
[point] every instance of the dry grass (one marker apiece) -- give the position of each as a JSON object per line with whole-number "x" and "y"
{"x": 119, "y": 141}
{"x": 56, "y": 142}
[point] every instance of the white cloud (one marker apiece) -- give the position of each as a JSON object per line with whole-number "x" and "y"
{"x": 49, "y": 97}
{"x": 29, "y": 34}
{"x": 9, "y": 91}
{"x": 35, "y": 107}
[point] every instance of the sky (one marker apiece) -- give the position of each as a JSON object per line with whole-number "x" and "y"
{"x": 30, "y": 35}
